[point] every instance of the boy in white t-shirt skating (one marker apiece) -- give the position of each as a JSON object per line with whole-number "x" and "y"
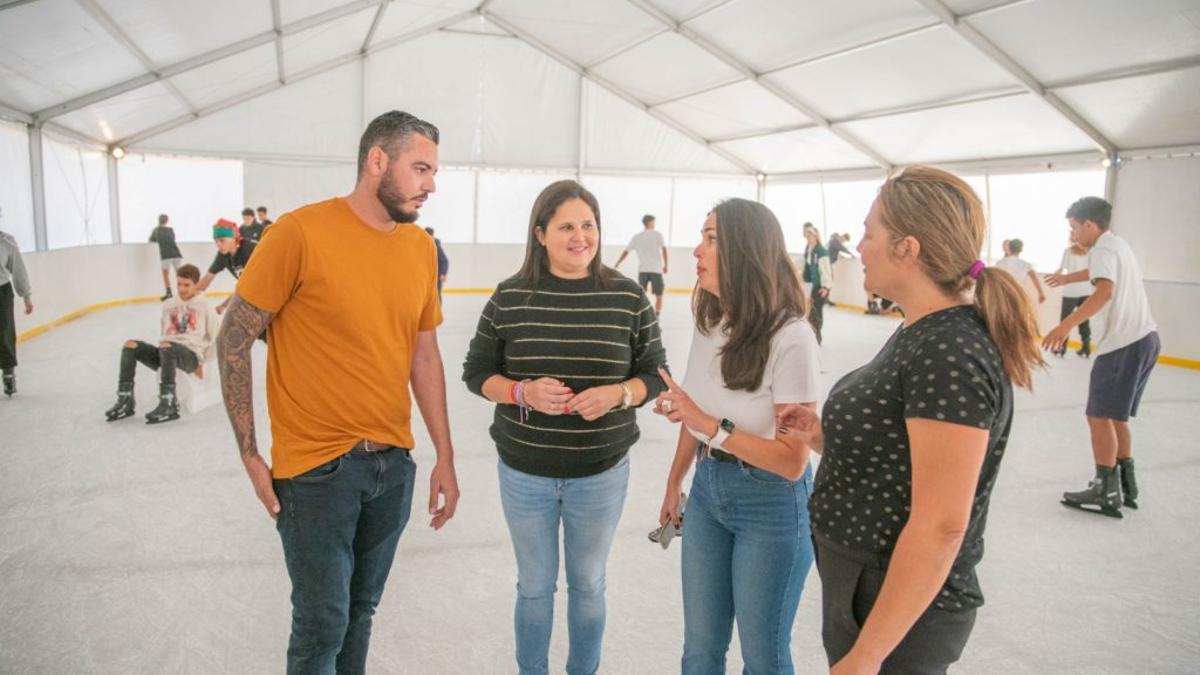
{"x": 651, "y": 251}
{"x": 1126, "y": 353}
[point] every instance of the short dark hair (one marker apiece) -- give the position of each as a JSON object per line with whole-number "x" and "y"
{"x": 1094, "y": 209}
{"x": 261, "y": 209}
{"x": 391, "y": 132}
{"x": 162, "y": 219}
{"x": 247, "y": 211}
{"x": 189, "y": 271}
{"x": 647, "y": 219}
{"x": 1016, "y": 246}
{"x": 429, "y": 230}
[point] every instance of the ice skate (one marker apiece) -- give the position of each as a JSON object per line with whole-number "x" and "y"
{"x": 1103, "y": 495}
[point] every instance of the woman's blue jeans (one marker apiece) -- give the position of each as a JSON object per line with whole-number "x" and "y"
{"x": 747, "y": 549}
{"x": 588, "y": 510}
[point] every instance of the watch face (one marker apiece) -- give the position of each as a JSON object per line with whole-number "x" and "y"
{"x": 727, "y": 425}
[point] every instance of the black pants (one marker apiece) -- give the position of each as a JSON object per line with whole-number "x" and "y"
{"x": 1085, "y": 329}
{"x": 167, "y": 358}
{"x": 816, "y": 314}
{"x": 8, "y": 329}
{"x": 850, "y": 583}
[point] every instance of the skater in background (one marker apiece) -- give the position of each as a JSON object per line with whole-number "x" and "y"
{"x": 443, "y": 262}
{"x": 653, "y": 259}
{"x": 251, "y": 230}
{"x": 818, "y": 274}
{"x": 1019, "y": 269}
{"x": 838, "y": 247}
{"x": 233, "y": 253}
{"x": 1125, "y": 354}
{"x": 14, "y": 281}
{"x": 188, "y": 331}
{"x": 1074, "y": 294}
{"x": 168, "y": 251}
{"x": 262, "y": 217}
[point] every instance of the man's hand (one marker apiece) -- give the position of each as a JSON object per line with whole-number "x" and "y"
{"x": 28, "y": 306}
{"x": 444, "y": 483}
{"x": 260, "y": 478}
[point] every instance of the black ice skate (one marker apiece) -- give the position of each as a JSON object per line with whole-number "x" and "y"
{"x": 1129, "y": 489}
{"x": 166, "y": 295}
{"x": 1102, "y": 496}
{"x": 1085, "y": 351}
{"x": 168, "y": 406}
{"x": 124, "y": 406}
{"x": 10, "y": 383}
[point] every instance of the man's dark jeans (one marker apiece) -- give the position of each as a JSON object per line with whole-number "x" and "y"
{"x": 340, "y": 524}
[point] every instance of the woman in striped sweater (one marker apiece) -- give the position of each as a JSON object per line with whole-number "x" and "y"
{"x": 566, "y": 348}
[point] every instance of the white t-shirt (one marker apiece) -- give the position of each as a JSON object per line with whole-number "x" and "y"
{"x": 792, "y": 375}
{"x": 1126, "y": 318}
{"x": 1073, "y": 262}
{"x": 648, "y": 244}
{"x": 1016, "y": 267}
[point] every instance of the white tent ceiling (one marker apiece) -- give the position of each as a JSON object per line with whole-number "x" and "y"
{"x": 770, "y": 87}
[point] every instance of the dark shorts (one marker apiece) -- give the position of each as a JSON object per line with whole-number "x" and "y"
{"x": 654, "y": 279}
{"x": 1120, "y": 377}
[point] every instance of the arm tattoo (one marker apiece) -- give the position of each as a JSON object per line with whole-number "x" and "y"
{"x": 242, "y": 325}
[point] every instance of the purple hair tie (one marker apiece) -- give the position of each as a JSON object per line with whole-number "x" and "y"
{"x": 976, "y": 269}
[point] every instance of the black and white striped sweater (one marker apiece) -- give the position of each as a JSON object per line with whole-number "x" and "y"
{"x": 578, "y": 333}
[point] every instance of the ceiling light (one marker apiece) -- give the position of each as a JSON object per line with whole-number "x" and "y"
{"x": 117, "y": 152}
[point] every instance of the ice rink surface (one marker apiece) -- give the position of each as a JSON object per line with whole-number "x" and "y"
{"x": 127, "y": 548}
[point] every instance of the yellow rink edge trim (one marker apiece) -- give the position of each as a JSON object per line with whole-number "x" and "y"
{"x": 1177, "y": 361}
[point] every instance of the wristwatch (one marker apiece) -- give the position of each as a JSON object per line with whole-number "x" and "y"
{"x": 723, "y": 431}
{"x": 626, "y": 396}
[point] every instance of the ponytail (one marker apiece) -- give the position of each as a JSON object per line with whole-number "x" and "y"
{"x": 1011, "y": 322}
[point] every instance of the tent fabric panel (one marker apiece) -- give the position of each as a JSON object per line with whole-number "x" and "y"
{"x": 667, "y": 66}
{"x": 54, "y": 51}
{"x": 505, "y": 200}
{"x": 16, "y": 200}
{"x": 804, "y": 150}
{"x": 281, "y": 121}
{"x": 129, "y": 113}
{"x": 480, "y": 25}
{"x": 76, "y": 180}
{"x": 323, "y": 43}
{"x": 769, "y": 33}
{"x": 1009, "y": 127}
{"x": 403, "y": 16}
{"x": 620, "y": 136}
{"x": 583, "y": 30}
{"x": 740, "y": 107}
{"x": 696, "y": 197}
{"x": 487, "y": 116}
{"x": 931, "y": 65}
{"x": 228, "y": 77}
{"x": 623, "y": 201}
{"x": 1075, "y": 38}
{"x": 284, "y": 187}
{"x": 193, "y": 192}
{"x": 1138, "y": 112}
{"x": 681, "y": 10}
{"x": 169, "y": 32}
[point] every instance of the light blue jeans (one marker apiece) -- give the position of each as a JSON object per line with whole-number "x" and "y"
{"x": 588, "y": 510}
{"x": 747, "y": 549}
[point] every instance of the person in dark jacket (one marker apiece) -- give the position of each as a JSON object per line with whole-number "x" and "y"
{"x": 168, "y": 251}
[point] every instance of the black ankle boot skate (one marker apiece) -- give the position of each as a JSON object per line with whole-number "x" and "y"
{"x": 166, "y": 295}
{"x": 168, "y": 406}
{"x": 1103, "y": 494}
{"x": 1086, "y": 350}
{"x": 10, "y": 383}
{"x": 1129, "y": 489}
{"x": 124, "y": 406}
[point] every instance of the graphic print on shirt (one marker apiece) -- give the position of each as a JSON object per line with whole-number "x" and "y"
{"x": 182, "y": 321}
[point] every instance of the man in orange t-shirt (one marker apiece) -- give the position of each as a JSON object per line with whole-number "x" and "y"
{"x": 347, "y": 289}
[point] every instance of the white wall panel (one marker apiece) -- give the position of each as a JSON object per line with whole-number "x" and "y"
{"x": 76, "y": 195}
{"x": 283, "y": 187}
{"x": 623, "y": 202}
{"x": 795, "y": 204}
{"x": 505, "y": 202}
{"x": 451, "y": 209}
{"x": 194, "y": 192}
{"x": 695, "y": 198}
{"x": 16, "y": 197}
{"x": 1157, "y": 209}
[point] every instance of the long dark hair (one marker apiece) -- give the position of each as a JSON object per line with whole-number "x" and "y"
{"x": 760, "y": 290}
{"x": 537, "y": 263}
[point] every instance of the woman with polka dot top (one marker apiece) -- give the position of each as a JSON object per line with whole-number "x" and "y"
{"x": 911, "y": 442}
{"x": 747, "y": 548}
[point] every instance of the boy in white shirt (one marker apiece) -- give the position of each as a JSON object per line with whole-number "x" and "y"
{"x": 1126, "y": 353}
{"x": 1019, "y": 269}
{"x": 188, "y": 330}
{"x": 652, "y": 259}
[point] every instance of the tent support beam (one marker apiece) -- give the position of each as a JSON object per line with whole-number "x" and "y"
{"x": 298, "y": 77}
{"x": 37, "y": 186}
{"x": 114, "y": 197}
{"x": 1003, "y": 60}
{"x": 786, "y": 96}
{"x": 277, "y": 28}
{"x": 97, "y": 12}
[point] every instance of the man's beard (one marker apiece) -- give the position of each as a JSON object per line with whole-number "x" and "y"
{"x": 393, "y": 201}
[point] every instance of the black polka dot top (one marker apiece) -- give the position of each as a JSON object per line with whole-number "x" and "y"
{"x": 943, "y": 367}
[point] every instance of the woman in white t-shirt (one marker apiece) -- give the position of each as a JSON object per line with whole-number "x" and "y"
{"x": 1075, "y": 258}
{"x": 747, "y": 546}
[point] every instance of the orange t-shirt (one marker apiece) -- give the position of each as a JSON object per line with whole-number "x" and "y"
{"x": 348, "y": 303}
